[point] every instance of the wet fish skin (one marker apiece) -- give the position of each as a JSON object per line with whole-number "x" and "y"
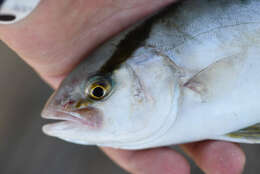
{"x": 187, "y": 74}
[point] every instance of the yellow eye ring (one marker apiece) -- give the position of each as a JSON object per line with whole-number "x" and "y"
{"x": 98, "y": 88}
{"x": 97, "y": 92}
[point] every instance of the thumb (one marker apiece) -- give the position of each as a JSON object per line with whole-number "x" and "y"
{"x": 58, "y": 34}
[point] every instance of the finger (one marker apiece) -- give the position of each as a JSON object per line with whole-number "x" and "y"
{"x": 152, "y": 161}
{"x": 215, "y": 157}
{"x": 58, "y": 34}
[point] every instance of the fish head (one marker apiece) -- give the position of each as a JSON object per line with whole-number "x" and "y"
{"x": 118, "y": 108}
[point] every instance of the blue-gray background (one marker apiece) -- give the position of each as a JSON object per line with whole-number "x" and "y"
{"x": 24, "y": 149}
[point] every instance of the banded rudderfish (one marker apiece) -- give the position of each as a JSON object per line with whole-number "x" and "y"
{"x": 189, "y": 73}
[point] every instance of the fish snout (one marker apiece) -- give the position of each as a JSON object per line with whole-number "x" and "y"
{"x": 87, "y": 116}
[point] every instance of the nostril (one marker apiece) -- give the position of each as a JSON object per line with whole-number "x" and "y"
{"x": 69, "y": 103}
{"x": 7, "y": 17}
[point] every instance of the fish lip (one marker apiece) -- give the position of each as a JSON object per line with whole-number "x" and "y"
{"x": 54, "y": 111}
{"x": 51, "y": 114}
{"x": 67, "y": 116}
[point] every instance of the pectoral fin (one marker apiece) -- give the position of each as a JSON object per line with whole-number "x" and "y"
{"x": 217, "y": 79}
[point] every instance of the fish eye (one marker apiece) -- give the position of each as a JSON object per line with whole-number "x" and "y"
{"x": 98, "y": 89}
{"x": 98, "y": 92}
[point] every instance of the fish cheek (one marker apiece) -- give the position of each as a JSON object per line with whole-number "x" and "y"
{"x": 94, "y": 118}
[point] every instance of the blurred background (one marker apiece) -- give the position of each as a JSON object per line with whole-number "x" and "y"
{"x": 24, "y": 149}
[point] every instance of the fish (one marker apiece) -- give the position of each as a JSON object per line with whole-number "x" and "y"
{"x": 188, "y": 73}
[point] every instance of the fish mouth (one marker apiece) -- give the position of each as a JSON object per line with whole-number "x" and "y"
{"x": 85, "y": 117}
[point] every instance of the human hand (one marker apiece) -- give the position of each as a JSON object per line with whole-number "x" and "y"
{"x": 60, "y": 33}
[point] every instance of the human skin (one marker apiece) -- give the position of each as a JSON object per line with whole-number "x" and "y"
{"x": 60, "y": 33}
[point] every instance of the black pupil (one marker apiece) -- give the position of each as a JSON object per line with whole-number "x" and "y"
{"x": 98, "y": 92}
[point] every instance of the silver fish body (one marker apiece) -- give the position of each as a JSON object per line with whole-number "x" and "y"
{"x": 187, "y": 74}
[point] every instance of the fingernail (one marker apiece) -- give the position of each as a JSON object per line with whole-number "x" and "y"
{"x": 12, "y": 11}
